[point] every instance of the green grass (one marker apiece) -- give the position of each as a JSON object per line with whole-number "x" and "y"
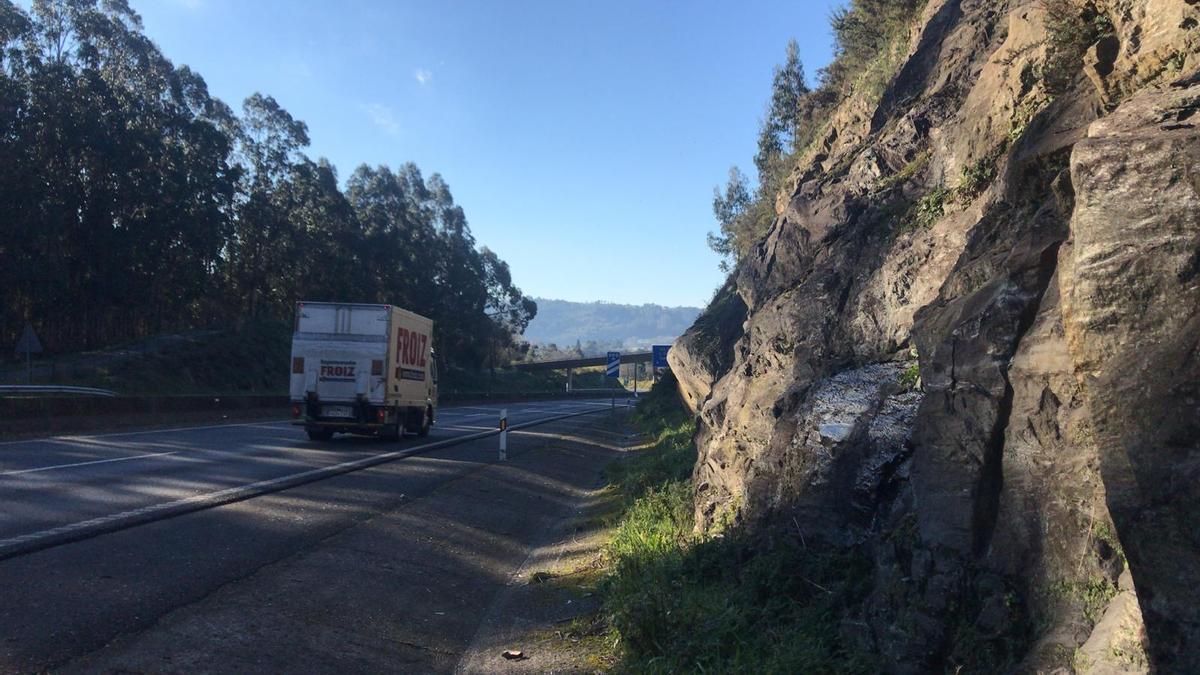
{"x": 910, "y": 379}
{"x": 1104, "y": 532}
{"x": 1072, "y": 28}
{"x": 976, "y": 178}
{"x": 937, "y": 202}
{"x": 1092, "y": 594}
{"x": 928, "y": 210}
{"x": 678, "y": 601}
{"x": 904, "y": 175}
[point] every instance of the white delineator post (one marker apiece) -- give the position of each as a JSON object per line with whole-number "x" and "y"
{"x": 504, "y": 434}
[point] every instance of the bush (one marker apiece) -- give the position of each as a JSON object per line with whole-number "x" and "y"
{"x": 928, "y": 210}
{"x": 682, "y": 602}
{"x": 862, "y": 32}
{"x": 1074, "y": 26}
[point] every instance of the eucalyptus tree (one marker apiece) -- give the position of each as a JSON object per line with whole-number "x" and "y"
{"x": 131, "y": 194}
{"x": 116, "y": 187}
{"x": 262, "y": 254}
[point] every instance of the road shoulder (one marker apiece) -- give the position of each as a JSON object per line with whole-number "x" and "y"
{"x": 543, "y": 620}
{"x": 548, "y": 618}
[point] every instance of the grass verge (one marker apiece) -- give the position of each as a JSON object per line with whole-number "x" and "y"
{"x": 674, "y": 600}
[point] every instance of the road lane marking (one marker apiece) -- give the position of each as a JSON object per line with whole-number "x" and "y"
{"x": 79, "y": 437}
{"x": 455, "y": 424}
{"x": 86, "y": 529}
{"x": 88, "y": 463}
{"x": 274, "y": 424}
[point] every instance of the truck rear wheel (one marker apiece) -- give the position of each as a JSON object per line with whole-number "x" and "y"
{"x": 426, "y": 422}
{"x": 319, "y": 434}
{"x": 396, "y": 431}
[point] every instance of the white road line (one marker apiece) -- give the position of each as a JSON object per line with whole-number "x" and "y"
{"x": 463, "y": 417}
{"x": 218, "y": 496}
{"x": 279, "y": 424}
{"x": 476, "y": 407}
{"x": 282, "y": 426}
{"x": 72, "y": 531}
{"x": 95, "y": 461}
{"x": 142, "y": 433}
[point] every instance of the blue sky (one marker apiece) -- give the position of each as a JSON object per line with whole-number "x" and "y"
{"x": 583, "y": 139}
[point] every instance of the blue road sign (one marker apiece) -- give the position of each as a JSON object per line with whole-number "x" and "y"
{"x": 660, "y": 355}
{"x": 614, "y": 365}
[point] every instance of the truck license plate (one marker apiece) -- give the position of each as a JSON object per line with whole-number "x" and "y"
{"x": 337, "y": 411}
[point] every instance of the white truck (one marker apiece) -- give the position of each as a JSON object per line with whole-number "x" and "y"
{"x": 362, "y": 369}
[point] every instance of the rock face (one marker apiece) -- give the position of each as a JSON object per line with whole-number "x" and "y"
{"x": 1035, "y": 254}
{"x": 1132, "y": 319}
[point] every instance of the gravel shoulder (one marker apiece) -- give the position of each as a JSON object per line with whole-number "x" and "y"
{"x": 549, "y": 612}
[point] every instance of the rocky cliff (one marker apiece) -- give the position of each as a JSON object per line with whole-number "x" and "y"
{"x": 970, "y": 344}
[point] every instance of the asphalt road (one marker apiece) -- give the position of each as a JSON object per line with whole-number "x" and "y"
{"x": 66, "y": 601}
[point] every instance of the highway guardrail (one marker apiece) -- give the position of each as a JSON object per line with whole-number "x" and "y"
{"x": 52, "y": 390}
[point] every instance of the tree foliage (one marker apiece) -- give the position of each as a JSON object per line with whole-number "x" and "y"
{"x": 743, "y": 211}
{"x": 785, "y": 120}
{"x": 732, "y": 207}
{"x": 133, "y": 202}
{"x": 863, "y": 30}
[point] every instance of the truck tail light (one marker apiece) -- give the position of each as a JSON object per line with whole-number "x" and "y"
{"x": 377, "y": 368}
{"x": 295, "y": 410}
{"x": 298, "y": 365}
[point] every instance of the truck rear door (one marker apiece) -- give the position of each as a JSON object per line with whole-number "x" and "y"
{"x": 344, "y": 349}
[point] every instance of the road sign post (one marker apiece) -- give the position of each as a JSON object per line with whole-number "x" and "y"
{"x": 29, "y": 344}
{"x": 614, "y": 365}
{"x": 613, "y": 370}
{"x": 504, "y": 434}
{"x": 659, "y": 359}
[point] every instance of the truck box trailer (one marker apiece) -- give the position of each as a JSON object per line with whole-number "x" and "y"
{"x": 362, "y": 369}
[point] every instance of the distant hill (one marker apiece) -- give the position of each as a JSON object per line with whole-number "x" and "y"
{"x": 607, "y": 324}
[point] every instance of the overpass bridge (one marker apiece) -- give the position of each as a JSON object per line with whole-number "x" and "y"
{"x": 570, "y": 365}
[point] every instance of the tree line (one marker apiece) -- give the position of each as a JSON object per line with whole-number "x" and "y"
{"x": 132, "y": 202}
{"x": 866, "y": 34}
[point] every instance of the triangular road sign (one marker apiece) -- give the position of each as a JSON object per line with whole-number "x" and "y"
{"x": 29, "y": 343}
